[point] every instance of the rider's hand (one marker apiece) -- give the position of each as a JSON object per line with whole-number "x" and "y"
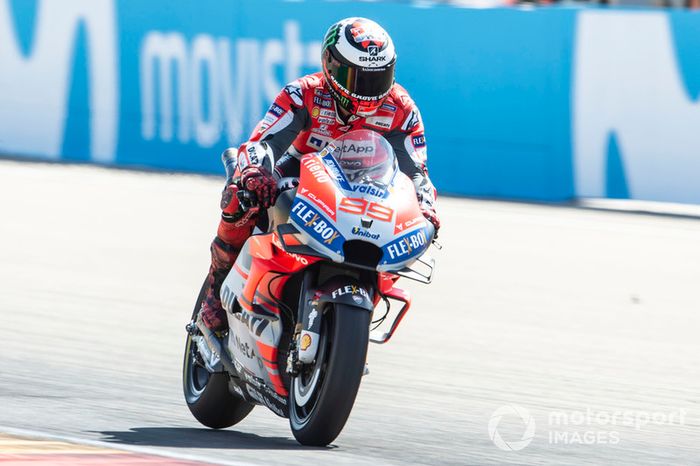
{"x": 257, "y": 180}
{"x": 430, "y": 214}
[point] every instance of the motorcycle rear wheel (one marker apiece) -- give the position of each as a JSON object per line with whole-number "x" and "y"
{"x": 321, "y": 399}
{"x": 207, "y": 395}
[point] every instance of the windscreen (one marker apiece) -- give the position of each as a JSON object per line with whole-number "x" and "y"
{"x": 365, "y": 157}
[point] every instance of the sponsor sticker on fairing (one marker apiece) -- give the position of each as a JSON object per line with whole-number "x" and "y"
{"x": 306, "y": 217}
{"x": 364, "y": 233}
{"x": 335, "y": 171}
{"x": 371, "y": 190}
{"x": 305, "y": 342}
{"x": 352, "y": 290}
{"x": 407, "y": 224}
{"x": 316, "y": 169}
{"x": 353, "y": 148}
{"x": 319, "y": 202}
{"x": 405, "y": 247}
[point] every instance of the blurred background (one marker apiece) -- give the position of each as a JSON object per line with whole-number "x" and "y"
{"x": 551, "y": 102}
{"x": 547, "y": 124}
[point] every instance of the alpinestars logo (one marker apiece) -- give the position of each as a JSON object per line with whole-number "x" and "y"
{"x": 294, "y": 92}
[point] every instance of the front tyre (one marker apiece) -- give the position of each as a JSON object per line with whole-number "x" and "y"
{"x": 322, "y": 396}
{"x": 207, "y": 395}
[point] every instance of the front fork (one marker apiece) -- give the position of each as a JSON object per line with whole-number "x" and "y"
{"x": 339, "y": 289}
{"x": 304, "y": 342}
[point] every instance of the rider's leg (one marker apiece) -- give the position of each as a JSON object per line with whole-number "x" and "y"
{"x": 287, "y": 166}
{"x": 234, "y": 229}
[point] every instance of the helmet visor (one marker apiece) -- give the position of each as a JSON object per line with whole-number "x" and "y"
{"x": 361, "y": 83}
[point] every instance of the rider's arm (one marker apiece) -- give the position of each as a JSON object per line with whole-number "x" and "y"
{"x": 250, "y": 167}
{"x": 408, "y": 141}
{"x": 284, "y": 120}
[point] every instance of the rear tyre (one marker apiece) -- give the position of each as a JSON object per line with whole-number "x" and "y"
{"x": 321, "y": 398}
{"x": 207, "y": 395}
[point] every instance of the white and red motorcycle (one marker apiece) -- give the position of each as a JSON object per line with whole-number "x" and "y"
{"x": 300, "y": 299}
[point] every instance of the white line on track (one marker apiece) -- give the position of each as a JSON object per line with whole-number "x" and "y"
{"x": 37, "y": 434}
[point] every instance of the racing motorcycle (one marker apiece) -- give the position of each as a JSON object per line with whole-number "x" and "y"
{"x": 301, "y": 297}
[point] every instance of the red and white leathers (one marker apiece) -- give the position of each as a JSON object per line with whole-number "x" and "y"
{"x": 303, "y": 119}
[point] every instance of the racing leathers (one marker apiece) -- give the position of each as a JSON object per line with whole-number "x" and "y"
{"x": 304, "y": 119}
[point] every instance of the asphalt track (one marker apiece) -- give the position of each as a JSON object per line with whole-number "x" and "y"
{"x": 550, "y": 309}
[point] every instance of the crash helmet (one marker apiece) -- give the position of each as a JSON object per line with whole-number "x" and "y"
{"x": 358, "y": 60}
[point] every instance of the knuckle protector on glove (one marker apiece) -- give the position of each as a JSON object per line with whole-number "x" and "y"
{"x": 229, "y": 199}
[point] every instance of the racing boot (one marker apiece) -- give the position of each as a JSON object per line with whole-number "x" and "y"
{"x": 222, "y": 258}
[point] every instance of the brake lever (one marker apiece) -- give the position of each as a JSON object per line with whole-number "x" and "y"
{"x": 437, "y": 245}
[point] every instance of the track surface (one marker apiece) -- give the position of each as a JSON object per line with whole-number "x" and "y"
{"x": 546, "y": 308}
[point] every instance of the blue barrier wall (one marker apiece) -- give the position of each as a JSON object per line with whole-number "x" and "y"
{"x": 516, "y": 103}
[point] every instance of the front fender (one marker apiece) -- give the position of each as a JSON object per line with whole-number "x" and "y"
{"x": 339, "y": 289}
{"x": 346, "y": 290}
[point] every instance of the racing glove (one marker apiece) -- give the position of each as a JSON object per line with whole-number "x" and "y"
{"x": 232, "y": 211}
{"x": 260, "y": 185}
{"x": 430, "y": 214}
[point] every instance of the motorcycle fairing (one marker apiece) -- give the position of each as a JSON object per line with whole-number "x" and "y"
{"x": 257, "y": 281}
{"x": 329, "y": 210}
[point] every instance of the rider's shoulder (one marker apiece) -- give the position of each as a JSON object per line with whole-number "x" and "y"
{"x": 400, "y": 98}
{"x": 406, "y": 113}
{"x": 310, "y": 81}
{"x": 299, "y": 89}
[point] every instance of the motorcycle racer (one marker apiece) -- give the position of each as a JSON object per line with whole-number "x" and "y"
{"x": 355, "y": 90}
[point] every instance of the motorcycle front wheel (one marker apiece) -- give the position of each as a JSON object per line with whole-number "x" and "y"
{"x": 322, "y": 395}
